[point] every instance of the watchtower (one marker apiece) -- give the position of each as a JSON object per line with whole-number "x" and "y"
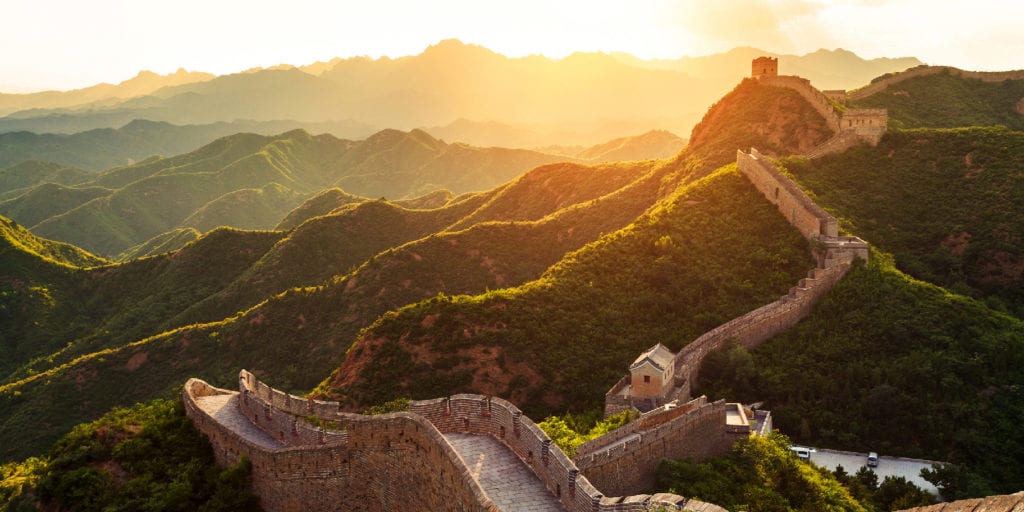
{"x": 764, "y": 66}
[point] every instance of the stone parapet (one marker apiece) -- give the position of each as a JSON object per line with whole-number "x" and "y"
{"x": 800, "y": 210}
{"x": 819, "y": 101}
{"x": 392, "y": 461}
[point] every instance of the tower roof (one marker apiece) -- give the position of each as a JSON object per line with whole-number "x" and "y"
{"x": 658, "y": 355}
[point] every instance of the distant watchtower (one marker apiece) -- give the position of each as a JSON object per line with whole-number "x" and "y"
{"x": 764, "y": 66}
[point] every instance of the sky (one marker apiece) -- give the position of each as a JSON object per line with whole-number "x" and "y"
{"x": 66, "y": 44}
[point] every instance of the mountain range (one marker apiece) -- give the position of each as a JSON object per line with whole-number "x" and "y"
{"x": 250, "y": 181}
{"x": 582, "y": 99}
{"x": 543, "y": 288}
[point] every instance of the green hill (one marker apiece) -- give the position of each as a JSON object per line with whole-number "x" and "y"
{"x": 103, "y": 148}
{"x": 949, "y": 99}
{"x": 253, "y": 181}
{"x": 249, "y": 208}
{"x": 16, "y": 180}
{"x": 890, "y": 364}
{"x": 946, "y": 203}
{"x": 164, "y": 242}
{"x": 322, "y": 203}
{"x": 48, "y": 200}
{"x": 561, "y": 341}
{"x": 318, "y": 322}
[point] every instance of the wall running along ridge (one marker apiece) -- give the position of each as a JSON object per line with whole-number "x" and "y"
{"x": 865, "y": 124}
{"x": 398, "y": 461}
{"x": 834, "y": 260}
{"x": 883, "y": 84}
{"x": 626, "y": 459}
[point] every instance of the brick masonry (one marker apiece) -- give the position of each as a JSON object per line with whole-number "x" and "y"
{"x": 347, "y": 462}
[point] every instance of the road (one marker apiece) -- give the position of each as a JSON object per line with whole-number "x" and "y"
{"x": 887, "y": 466}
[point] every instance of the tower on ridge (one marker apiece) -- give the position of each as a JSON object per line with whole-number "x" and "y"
{"x": 764, "y": 66}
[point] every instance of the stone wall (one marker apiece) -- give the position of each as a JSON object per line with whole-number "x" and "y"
{"x": 837, "y": 144}
{"x": 869, "y": 125}
{"x": 399, "y": 461}
{"x": 803, "y": 86}
{"x": 885, "y": 83}
{"x": 646, "y": 421}
{"x": 385, "y": 463}
{"x": 809, "y": 218}
{"x": 628, "y": 466}
{"x": 835, "y": 257}
{"x": 615, "y": 401}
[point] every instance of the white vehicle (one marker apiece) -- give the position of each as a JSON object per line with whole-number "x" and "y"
{"x": 801, "y": 452}
{"x": 872, "y": 460}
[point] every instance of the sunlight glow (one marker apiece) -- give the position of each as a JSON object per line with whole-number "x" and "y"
{"x": 64, "y": 43}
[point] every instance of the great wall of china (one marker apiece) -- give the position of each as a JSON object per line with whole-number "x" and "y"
{"x": 885, "y": 83}
{"x": 308, "y": 454}
{"x": 424, "y": 459}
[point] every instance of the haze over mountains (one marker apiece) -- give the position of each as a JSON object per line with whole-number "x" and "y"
{"x": 583, "y": 99}
{"x": 250, "y": 181}
{"x": 535, "y": 275}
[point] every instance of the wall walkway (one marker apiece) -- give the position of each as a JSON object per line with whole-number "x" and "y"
{"x": 413, "y": 460}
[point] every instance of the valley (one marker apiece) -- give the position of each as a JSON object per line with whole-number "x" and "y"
{"x": 401, "y": 266}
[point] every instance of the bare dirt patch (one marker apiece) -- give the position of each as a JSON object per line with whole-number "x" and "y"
{"x": 136, "y": 361}
{"x": 957, "y": 242}
{"x": 1003, "y": 268}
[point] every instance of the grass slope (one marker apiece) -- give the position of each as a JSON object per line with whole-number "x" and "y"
{"x": 322, "y": 203}
{"x": 248, "y": 208}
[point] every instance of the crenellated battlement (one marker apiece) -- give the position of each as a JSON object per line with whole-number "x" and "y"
{"x": 851, "y": 126}
{"x": 345, "y": 461}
